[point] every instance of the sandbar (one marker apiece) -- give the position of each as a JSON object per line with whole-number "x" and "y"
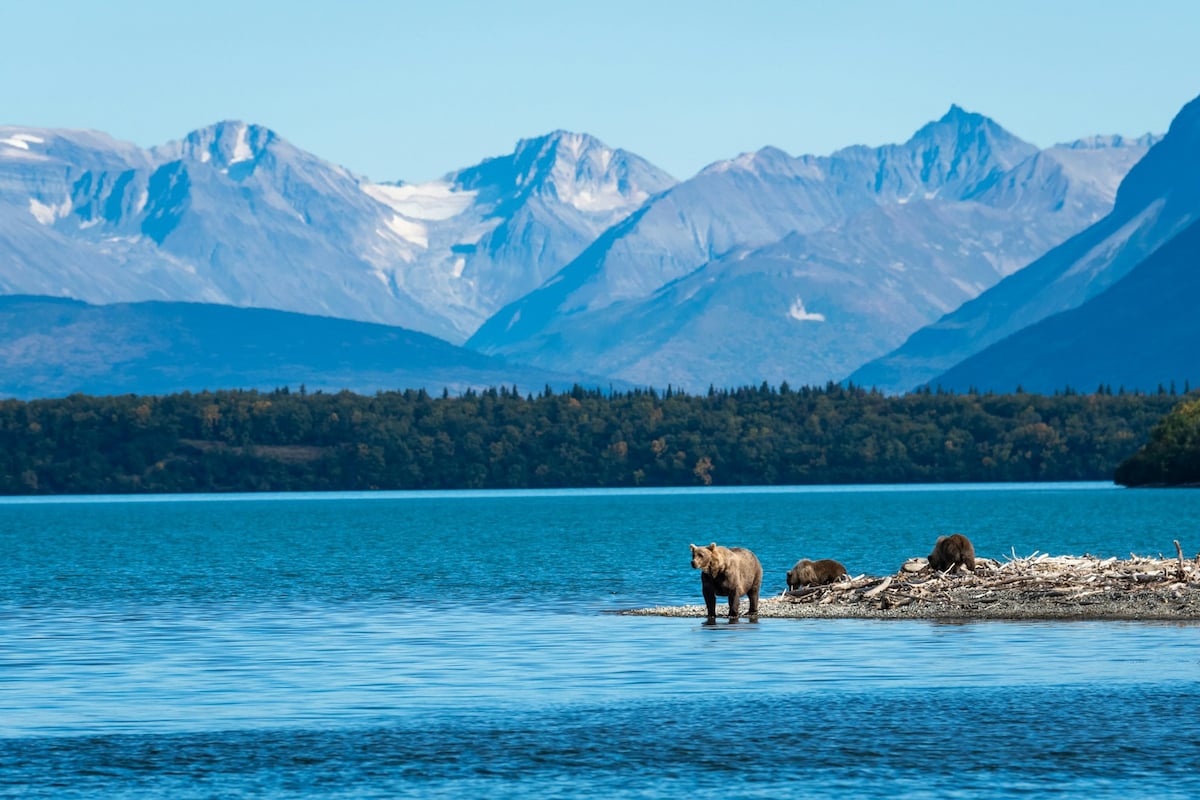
{"x": 1039, "y": 586}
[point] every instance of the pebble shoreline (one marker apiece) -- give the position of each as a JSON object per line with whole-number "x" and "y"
{"x": 1036, "y": 587}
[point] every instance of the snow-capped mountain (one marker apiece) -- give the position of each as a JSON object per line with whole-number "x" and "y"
{"x": 763, "y": 267}
{"x": 751, "y": 201}
{"x": 769, "y": 267}
{"x": 234, "y": 214}
{"x": 956, "y": 157}
{"x": 487, "y": 235}
{"x": 1158, "y": 198}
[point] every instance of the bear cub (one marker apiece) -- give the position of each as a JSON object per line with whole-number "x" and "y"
{"x": 951, "y": 551}
{"x": 814, "y": 573}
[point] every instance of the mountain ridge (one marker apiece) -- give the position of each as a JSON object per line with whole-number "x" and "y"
{"x": 1158, "y": 198}
{"x": 1133, "y": 335}
{"x": 835, "y": 207}
{"x": 53, "y": 346}
{"x": 310, "y": 236}
{"x": 765, "y": 266}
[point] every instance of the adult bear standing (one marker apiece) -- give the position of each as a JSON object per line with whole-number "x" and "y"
{"x": 730, "y": 572}
{"x": 951, "y": 551}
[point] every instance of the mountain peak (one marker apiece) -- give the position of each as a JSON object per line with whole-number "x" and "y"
{"x": 561, "y": 136}
{"x": 960, "y": 122}
{"x": 964, "y": 152}
{"x": 957, "y": 113}
{"x": 224, "y": 145}
{"x": 1187, "y": 120}
{"x": 560, "y": 144}
{"x": 575, "y": 169}
{"x": 961, "y": 117}
{"x": 530, "y": 159}
{"x": 765, "y": 160}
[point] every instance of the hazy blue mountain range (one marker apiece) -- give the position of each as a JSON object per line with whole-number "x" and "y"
{"x": 1159, "y": 198}
{"x": 764, "y": 267}
{"x": 769, "y": 267}
{"x": 1139, "y": 333}
{"x": 234, "y": 214}
{"x": 52, "y": 347}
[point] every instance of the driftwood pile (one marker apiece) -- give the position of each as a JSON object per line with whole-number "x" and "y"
{"x": 1037, "y": 585}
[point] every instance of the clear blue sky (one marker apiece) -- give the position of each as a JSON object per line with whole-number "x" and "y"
{"x": 411, "y": 90}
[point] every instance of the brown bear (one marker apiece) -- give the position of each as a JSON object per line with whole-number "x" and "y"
{"x": 730, "y": 572}
{"x": 814, "y": 573}
{"x": 951, "y": 551}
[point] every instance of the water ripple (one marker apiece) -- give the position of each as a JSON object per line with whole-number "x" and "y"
{"x": 930, "y": 742}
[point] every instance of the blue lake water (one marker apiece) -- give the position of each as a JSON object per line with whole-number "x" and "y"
{"x": 451, "y": 644}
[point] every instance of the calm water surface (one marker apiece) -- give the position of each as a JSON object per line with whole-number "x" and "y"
{"x": 438, "y": 644}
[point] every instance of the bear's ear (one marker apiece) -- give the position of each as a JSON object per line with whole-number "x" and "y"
{"x": 694, "y": 548}
{"x": 713, "y": 547}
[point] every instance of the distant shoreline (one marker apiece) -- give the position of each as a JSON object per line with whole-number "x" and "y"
{"x": 1039, "y": 587}
{"x": 250, "y": 441}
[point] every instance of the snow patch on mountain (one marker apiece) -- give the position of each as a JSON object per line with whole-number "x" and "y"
{"x": 22, "y": 140}
{"x": 16, "y": 148}
{"x": 48, "y": 214}
{"x": 800, "y": 314}
{"x": 600, "y": 197}
{"x": 409, "y": 230}
{"x": 241, "y": 147}
{"x": 435, "y": 201}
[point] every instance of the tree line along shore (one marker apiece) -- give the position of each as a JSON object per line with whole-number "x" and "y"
{"x": 287, "y": 440}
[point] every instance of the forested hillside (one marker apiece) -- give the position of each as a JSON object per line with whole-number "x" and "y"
{"x": 1172, "y": 456}
{"x": 293, "y": 440}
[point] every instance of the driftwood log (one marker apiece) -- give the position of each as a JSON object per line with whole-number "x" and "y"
{"x": 1034, "y": 580}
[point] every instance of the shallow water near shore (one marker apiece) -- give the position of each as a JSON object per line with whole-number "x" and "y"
{"x": 439, "y": 644}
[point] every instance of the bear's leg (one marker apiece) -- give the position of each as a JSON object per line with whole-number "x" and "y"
{"x": 753, "y": 594}
{"x": 710, "y": 600}
{"x": 733, "y": 605}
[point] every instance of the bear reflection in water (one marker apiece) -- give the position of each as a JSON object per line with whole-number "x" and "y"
{"x": 730, "y": 572}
